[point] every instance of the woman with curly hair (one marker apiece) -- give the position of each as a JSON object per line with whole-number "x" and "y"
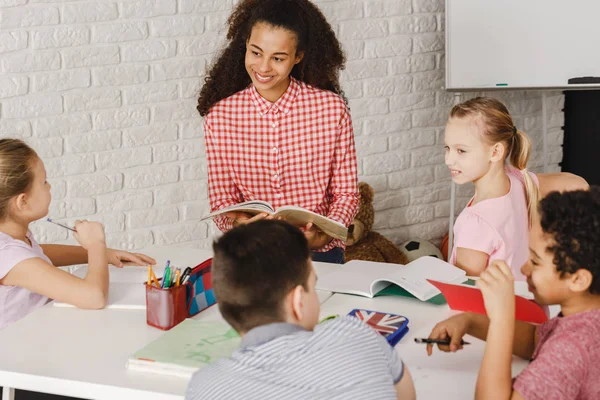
{"x": 277, "y": 125}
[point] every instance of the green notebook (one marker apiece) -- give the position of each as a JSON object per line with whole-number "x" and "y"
{"x": 394, "y": 290}
{"x": 185, "y": 348}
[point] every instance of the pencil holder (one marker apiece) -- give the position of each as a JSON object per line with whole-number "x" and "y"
{"x": 166, "y": 308}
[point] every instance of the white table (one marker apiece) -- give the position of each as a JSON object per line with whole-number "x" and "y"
{"x": 443, "y": 375}
{"x": 83, "y": 353}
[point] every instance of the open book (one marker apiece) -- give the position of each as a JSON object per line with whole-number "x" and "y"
{"x": 292, "y": 214}
{"x": 367, "y": 278}
{"x": 185, "y": 348}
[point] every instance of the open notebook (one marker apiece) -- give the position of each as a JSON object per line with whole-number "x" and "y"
{"x": 367, "y": 278}
{"x": 185, "y": 348}
{"x": 126, "y": 289}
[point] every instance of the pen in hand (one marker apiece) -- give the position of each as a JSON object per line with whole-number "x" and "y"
{"x": 59, "y": 224}
{"x": 438, "y": 341}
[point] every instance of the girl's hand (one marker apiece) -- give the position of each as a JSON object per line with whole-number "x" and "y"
{"x": 454, "y": 328}
{"x": 89, "y": 234}
{"x": 315, "y": 237}
{"x": 242, "y": 218}
{"x": 498, "y": 290}
{"x": 116, "y": 258}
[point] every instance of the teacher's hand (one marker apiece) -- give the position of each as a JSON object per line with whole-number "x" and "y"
{"x": 242, "y": 218}
{"x": 315, "y": 237}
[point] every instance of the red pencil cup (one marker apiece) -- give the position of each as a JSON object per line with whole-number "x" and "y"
{"x": 166, "y": 308}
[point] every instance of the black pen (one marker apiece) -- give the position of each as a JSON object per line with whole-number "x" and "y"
{"x": 438, "y": 341}
{"x": 59, "y": 224}
{"x": 185, "y": 274}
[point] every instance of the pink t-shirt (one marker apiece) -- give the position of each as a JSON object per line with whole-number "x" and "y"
{"x": 16, "y": 302}
{"x": 498, "y": 227}
{"x": 566, "y": 360}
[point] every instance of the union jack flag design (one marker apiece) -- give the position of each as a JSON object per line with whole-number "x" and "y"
{"x": 385, "y": 324}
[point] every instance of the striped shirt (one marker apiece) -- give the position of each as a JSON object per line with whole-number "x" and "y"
{"x": 340, "y": 359}
{"x": 298, "y": 151}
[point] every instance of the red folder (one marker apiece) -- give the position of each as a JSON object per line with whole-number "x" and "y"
{"x": 468, "y": 298}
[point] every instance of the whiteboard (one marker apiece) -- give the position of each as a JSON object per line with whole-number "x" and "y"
{"x": 509, "y": 44}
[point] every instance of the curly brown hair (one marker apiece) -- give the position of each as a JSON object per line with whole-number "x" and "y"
{"x": 323, "y": 54}
{"x": 572, "y": 219}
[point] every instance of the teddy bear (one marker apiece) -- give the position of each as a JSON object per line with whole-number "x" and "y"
{"x": 365, "y": 244}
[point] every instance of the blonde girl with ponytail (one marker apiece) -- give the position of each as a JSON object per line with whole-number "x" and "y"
{"x": 484, "y": 146}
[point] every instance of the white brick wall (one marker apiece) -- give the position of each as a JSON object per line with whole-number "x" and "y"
{"x": 106, "y": 93}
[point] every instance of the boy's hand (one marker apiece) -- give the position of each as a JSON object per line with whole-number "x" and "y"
{"x": 315, "y": 237}
{"x": 242, "y": 218}
{"x": 498, "y": 290}
{"x": 454, "y": 328}
{"x": 89, "y": 233}
{"x": 117, "y": 257}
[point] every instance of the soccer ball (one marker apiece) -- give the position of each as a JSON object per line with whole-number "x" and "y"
{"x": 416, "y": 248}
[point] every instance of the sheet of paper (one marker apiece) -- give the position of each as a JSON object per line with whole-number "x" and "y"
{"x": 126, "y": 296}
{"x": 127, "y": 274}
{"x": 468, "y": 298}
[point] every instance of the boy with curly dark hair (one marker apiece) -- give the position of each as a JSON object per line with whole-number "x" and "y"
{"x": 563, "y": 269}
{"x": 264, "y": 283}
{"x": 277, "y": 126}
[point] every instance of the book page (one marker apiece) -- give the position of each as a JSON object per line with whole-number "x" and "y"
{"x": 348, "y": 282}
{"x": 357, "y": 277}
{"x": 413, "y": 276}
{"x": 251, "y": 207}
{"x": 300, "y": 216}
{"x": 419, "y": 288}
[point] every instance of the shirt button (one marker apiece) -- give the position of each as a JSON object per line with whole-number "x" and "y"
{"x": 274, "y": 149}
{"x": 274, "y": 124}
{"x": 275, "y": 176}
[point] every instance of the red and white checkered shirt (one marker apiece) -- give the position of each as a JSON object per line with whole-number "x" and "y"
{"x": 297, "y": 151}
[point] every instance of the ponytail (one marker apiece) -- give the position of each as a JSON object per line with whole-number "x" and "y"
{"x": 519, "y": 156}
{"x": 499, "y": 127}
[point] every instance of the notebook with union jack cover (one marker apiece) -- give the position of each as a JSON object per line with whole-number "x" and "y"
{"x": 391, "y": 326}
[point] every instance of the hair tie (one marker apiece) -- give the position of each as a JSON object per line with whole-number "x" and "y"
{"x": 514, "y": 130}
